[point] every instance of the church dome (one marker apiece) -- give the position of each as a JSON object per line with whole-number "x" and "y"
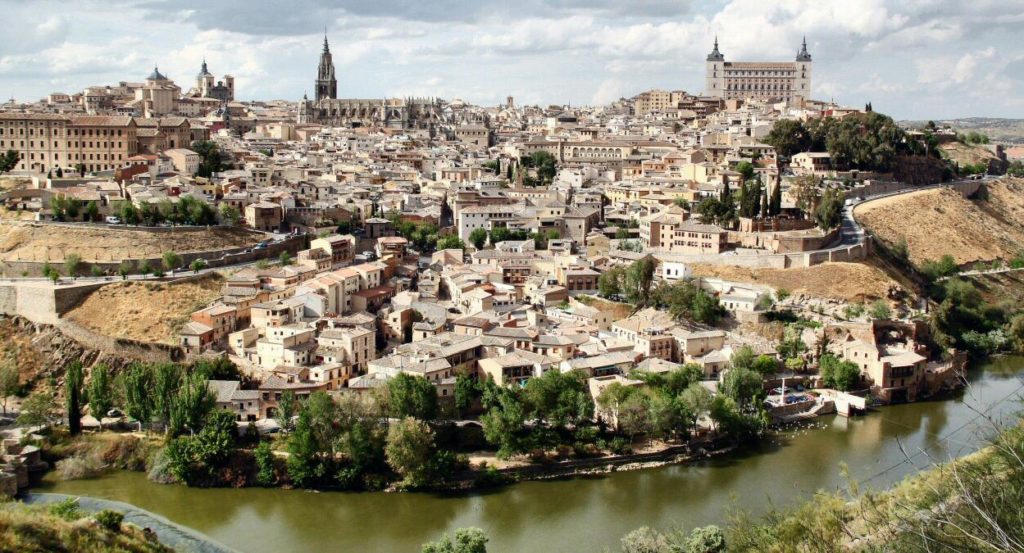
{"x": 156, "y": 75}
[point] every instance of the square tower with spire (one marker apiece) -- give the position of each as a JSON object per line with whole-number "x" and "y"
{"x": 326, "y": 83}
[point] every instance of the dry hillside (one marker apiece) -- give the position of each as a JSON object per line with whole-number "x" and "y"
{"x": 940, "y": 221}
{"x": 964, "y": 154}
{"x": 26, "y": 242}
{"x": 842, "y": 281}
{"x": 145, "y": 311}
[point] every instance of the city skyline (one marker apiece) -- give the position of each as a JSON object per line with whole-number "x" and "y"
{"x": 923, "y": 60}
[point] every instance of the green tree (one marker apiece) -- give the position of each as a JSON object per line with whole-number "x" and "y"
{"x": 609, "y": 284}
{"x": 410, "y": 446}
{"x": 190, "y": 405}
{"x": 467, "y": 540}
{"x": 451, "y": 242}
{"x": 136, "y": 390}
{"x": 637, "y": 282}
{"x": 839, "y": 374}
{"x": 212, "y": 161}
{"x": 411, "y": 396}
{"x": 38, "y": 408}
{"x": 745, "y": 169}
{"x": 559, "y": 398}
{"x": 9, "y": 380}
{"x": 92, "y": 211}
{"x": 789, "y": 137}
{"x": 744, "y": 386}
{"x": 129, "y": 214}
{"x": 312, "y": 444}
{"x": 72, "y": 264}
{"x": 73, "y": 379}
{"x": 264, "y": 456}
{"x": 286, "y": 409}
{"x": 765, "y": 365}
{"x": 171, "y": 260}
{"x": 198, "y": 264}
{"x": 285, "y": 259}
{"x": 195, "y": 459}
{"x": 478, "y": 238}
{"x": 9, "y": 160}
{"x": 503, "y": 423}
{"x": 466, "y": 392}
{"x": 229, "y": 215}
{"x": 124, "y": 269}
{"x": 166, "y": 381}
{"x": 101, "y": 394}
{"x": 775, "y": 202}
{"x": 829, "y": 213}
{"x": 696, "y": 400}
{"x": 880, "y": 310}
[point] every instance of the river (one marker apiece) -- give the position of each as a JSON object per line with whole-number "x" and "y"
{"x": 590, "y": 514}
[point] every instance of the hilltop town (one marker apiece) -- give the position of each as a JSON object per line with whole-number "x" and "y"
{"x": 510, "y": 286}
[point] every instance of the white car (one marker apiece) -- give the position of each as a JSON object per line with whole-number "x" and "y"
{"x": 113, "y": 221}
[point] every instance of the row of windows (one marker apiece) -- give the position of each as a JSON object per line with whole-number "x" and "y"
{"x": 71, "y": 144}
{"x": 77, "y": 157}
{"x": 71, "y": 132}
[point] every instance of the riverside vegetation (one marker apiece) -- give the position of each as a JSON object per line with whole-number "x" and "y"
{"x": 401, "y": 437}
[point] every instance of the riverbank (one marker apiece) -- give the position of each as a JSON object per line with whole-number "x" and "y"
{"x": 592, "y": 513}
{"x": 175, "y": 536}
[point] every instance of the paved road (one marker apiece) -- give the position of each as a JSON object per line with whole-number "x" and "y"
{"x": 852, "y": 234}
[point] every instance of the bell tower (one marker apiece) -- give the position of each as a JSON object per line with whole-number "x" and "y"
{"x": 326, "y": 83}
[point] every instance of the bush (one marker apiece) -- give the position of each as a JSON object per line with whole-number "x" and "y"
{"x": 125, "y": 452}
{"x": 79, "y": 468}
{"x": 67, "y": 509}
{"x": 620, "y": 446}
{"x": 160, "y": 472}
{"x": 109, "y": 519}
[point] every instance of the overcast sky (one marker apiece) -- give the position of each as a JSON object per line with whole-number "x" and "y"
{"x": 910, "y": 58}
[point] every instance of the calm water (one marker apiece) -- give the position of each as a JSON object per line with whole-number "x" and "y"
{"x": 591, "y": 514}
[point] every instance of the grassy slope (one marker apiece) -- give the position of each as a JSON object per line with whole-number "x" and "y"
{"x": 33, "y": 529}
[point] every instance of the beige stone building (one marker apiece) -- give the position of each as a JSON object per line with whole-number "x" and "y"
{"x": 741, "y": 80}
{"x": 46, "y": 142}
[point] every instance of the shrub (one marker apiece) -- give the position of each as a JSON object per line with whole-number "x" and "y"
{"x": 109, "y": 519}
{"x": 67, "y": 509}
{"x": 620, "y": 446}
{"x": 79, "y": 468}
{"x": 125, "y": 452}
{"x": 265, "y": 465}
{"x": 160, "y": 472}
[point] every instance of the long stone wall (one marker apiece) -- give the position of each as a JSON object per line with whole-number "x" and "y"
{"x": 213, "y": 258}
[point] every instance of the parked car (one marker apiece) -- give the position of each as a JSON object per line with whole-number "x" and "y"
{"x": 113, "y": 220}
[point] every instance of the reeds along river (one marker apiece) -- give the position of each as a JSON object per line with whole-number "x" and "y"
{"x": 589, "y": 514}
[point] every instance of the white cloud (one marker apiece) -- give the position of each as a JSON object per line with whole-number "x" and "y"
{"x": 912, "y": 58}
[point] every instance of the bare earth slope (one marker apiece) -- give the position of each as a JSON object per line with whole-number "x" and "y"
{"x": 27, "y": 242}
{"x": 842, "y": 281}
{"x": 145, "y": 311}
{"x": 940, "y": 221}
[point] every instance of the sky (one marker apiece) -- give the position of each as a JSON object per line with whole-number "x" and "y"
{"x": 912, "y": 59}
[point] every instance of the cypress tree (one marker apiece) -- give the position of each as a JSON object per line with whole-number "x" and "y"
{"x": 73, "y": 396}
{"x": 775, "y": 205}
{"x": 764, "y": 204}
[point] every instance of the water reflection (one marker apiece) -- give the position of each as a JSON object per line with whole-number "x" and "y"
{"x": 589, "y": 514}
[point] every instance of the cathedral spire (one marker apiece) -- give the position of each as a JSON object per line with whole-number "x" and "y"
{"x": 327, "y": 49}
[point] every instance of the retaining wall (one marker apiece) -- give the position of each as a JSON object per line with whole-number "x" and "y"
{"x": 213, "y": 258}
